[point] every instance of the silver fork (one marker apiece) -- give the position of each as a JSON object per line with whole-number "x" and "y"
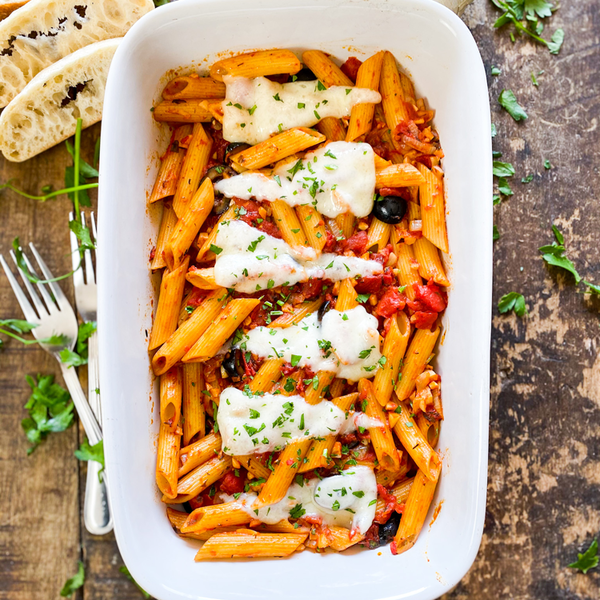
{"x": 96, "y": 511}
{"x": 53, "y": 315}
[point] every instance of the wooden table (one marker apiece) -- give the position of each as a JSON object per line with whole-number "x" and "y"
{"x": 544, "y": 471}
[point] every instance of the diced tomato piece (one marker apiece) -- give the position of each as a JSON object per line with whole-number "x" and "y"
{"x": 331, "y": 241}
{"x": 270, "y": 228}
{"x": 400, "y": 192}
{"x": 369, "y": 285}
{"x": 357, "y": 242}
{"x": 372, "y": 536}
{"x": 430, "y": 296}
{"x": 424, "y": 320}
{"x": 388, "y": 276}
{"x": 350, "y": 68}
{"x": 232, "y": 483}
{"x": 383, "y": 255}
{"x": 391, "y": 505}
{"x": 196, "y": 297}
{"x": 250, "y": 207}
{"x": 203, "y": 499}
{"x": 311, "y": 288}
{"x": 287, "y": 369}
{"x": 391, "y": 302}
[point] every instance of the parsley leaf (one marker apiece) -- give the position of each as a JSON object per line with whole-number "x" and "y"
{"x": 75, "y": 582}
{"x": 495, "y": 234}
{"x": 295, "y": 359}
{"x": 95, "y": 452}
{"x": 512, "y": 301}
{"x": 495, "y": 71}
{"x": 554, "y": 45}
{"x": 508, "y": 101}
{"x": 297, "y": 511}
{"x": 503, "y": 187}
{"x": 555, "y": 255}
{"x": 588, "y": 560}
{"x": 503, "y": 169}
{"x": 591, "y": 288}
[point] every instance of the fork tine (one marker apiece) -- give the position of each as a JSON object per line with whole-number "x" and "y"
{"x": 77, "y": 272}
{"x": 89, "y": 265}
{"x": 39, "y": 306}
{"x": 26, "y": 307}
{"x": 61, "y": 299}
{"x": 93, "y": 219}
{"x": 49, "y": 301}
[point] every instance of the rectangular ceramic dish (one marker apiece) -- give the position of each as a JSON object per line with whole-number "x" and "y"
{"x": 437, "y": 50}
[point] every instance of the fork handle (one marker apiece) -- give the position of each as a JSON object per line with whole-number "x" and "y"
{"x": 93, "y": 377}
{"x": 86, "y": 416}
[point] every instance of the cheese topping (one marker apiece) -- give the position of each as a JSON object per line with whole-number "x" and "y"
{"x": 345, "y": 500}
{"x": 346, "y": 343}
{"x": 250, "y": 260}
{"x": 335, "y": 179}
{"x": 254, "y": 109}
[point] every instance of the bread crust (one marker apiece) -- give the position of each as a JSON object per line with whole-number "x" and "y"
{"x": 45, "y": 113}
{"x": 43, "y": 32}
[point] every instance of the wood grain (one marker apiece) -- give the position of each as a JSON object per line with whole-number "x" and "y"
{"x": 544, "y": 471}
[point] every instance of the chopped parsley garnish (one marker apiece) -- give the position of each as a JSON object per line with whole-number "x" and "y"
{"x": 296, "y": 358}
{"x": 508, "y": 101}
{"x": 317, "y": 115}
{"x": 277, "y": 98}
{"x": 358, "y": 494}
{"x": 554, "y": 255}
{"x": 251, "y": 110}
{"x": 297, "y": 511}
{"x": 512, "y": 301}
{"x": 254, "y": 414}
{"x": 215, "y": 249}
{"x": 301, "y": 105}
{"x": 254, "y": 244}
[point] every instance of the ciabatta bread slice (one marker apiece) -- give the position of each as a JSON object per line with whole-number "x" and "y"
{"x": 9, "y": 6}
{"x": 45, "y": 113}
{"x": 44, "y": 31}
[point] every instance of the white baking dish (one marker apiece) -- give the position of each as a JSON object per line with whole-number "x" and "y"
{"x": 436, "y": 48}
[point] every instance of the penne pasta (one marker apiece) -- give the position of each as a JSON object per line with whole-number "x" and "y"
{"x": 171, "y": 390}
{"x": 392, "y": 95}
{"x": 194, "y": 418}
{"x": 170, "y": 166}
{"x": 205, "y": 254}
{"x": 347, "y": 295}
{"x": 220, "y": 330}
{"x": 433, "y": 214}
{"x": 406, "y": 265}
{"x": 379, "y": 234}
{"x": 182, "y": 111}
{"x": 215, "y": 516}
{"x": 299, "y": 312}
{"x": 169, "y": 303}
{"x": 203, "y": 476}
{"x": 325, "y": 69}
{"x": 250, "y": 544}
{"x": 401, "y": 175}
{"x": 277, "y": 147}
{"x": 167, "y": 223}
{"x": 332, "y": 128}
{"x": 430, "y": 263}
{"x": 289, "y": 226}
{"x": 185, "y": 337}
{"x": 361, "y": 117}
{"x": 313, "y": 226}
{"x": 198, "y": 453}
{"x": 192, "y": 86}
{"x": 203, "y": 279}
{"x": 256, "y": 64}
{"x": 414, "y": 515}
{"x": 196, "y": 159}
{"x": 319, "y": 386}
{"x": 167, "y": 459}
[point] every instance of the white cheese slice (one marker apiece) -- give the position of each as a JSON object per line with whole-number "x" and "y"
{"x": 254, "y": 109}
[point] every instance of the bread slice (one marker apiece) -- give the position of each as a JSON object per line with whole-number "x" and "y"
{"x": 45, "y": 31}
{"x": 45, "y": 113}
{"x": 8, "y": 6}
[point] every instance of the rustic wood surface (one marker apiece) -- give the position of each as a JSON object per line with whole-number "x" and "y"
{"x": 544, "y": 470}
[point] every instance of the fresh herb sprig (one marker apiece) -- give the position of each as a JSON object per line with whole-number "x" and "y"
{"x": 526, "y": 17}
{"x": 74, "y": 583}
{"x": 554, "y": 255}
{"x": 588, "y": 560}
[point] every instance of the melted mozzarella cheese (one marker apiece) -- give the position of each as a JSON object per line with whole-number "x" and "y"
{"x": 335, "y": 179}
{"x": 344, "y": 342}
{"x": 254, "y": 109}
{"x": 346, "y": 500}
{"x": 251, "y": 260}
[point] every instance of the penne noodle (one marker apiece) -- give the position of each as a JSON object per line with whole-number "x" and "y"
{"x": 400, "y": 491}
{"x": 194, "y": 417}
{"x": 379, "y": 234}
{"x": 299, "y": 312}
{"x": 198, "y": 453}
{"x": 254, "y": 466}
{"x": 381, "y": 163}
{"x": 277, "y": 147}
{"x": 185, "y": 337}
{"x": 218, "y": 515}
{"x": 347, "y": 295}
{"x": 313, "y": 226}
{"x": 203, "y": 279}
{"x": 194, "y": 165}
{"x": 361, "y": 117}
{"x": 203, "y": 476}
{"x": 430, "y": 263}
{"x": 189, "y": 224}
{"x": 257, "y": 64}
{"x": 171, "y": 390}
{"x": 381, "y": 437}
{"x": 182, "y": 111}
{"x": 332, "y": 128}
{"x": 345, "y": 223}
{"x": 169, "y": 304}
{"x": 394, "y": 348}
{"x": 167, "y": 223}
{"x": 416, "y": 445}
{"x": 417, "y": 355}
{"x": 400, "y": 175}
{"x": 429, "y": 429}
{"x": 343, "y": 538}
{"x": 287, "y": 466}
{"x": 268, "y": 375}
{"x": 415, "y": 512}
{"x": 221, "y": 329}
{"x": 316, "y": 391}
{"x": 406, "y": 265}
{"x": 433, "y": 214}
{"x": 192, "y": 86}
{"x": 325, "y": 69}
{"x": 166, "y": 464}
{"x": 289, "y": 226}
{"x": 170, "y": 166}
{"x": 250, "y": 544}
{"x": 392, "y": 95}
{"x": 177, "y": 518}
{"x": 319, "y": 452}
